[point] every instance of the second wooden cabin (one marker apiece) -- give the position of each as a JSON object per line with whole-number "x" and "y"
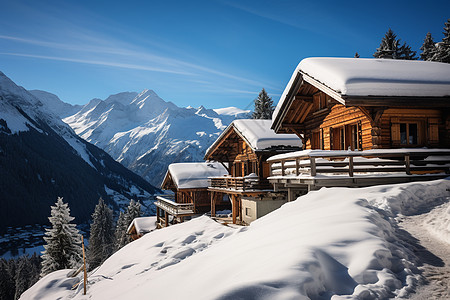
{"x": 244, "y": 147}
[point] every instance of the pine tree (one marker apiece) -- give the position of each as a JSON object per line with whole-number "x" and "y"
{"x": 63, "y": 249}
{"x": 390, "y": 48}
{"x": 101, "y": 241}
{"x": 428, "y": 48}
{"x": 120, "y": 234}
{"x": 6, "y": 285}
{"x": 263, "y": 106}
{"x": 23, "y": 276}
{"x": 133, "y": 211}
{"x": 443, "y": 48}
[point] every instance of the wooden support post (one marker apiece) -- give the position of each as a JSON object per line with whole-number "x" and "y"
{"x": 157, "y": 216}
{"x": 239, "y": 201}
{"x": 84, "y": 264}
{"x": 213, "y": 204}
{"x": 234, "y": 210}
{"x": 407, "y": 164}
{"x": 166, "y": 219}
{"x": 282, "y": 167}
{"x": 350, "y": 166}
{"x": 297, "y": 167}
{"x": 313, "y": 166}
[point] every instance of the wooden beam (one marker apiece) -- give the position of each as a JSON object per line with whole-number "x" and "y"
{"x": 304, "y": 98}
{"x": 435, "y": 102}
{"x": 305, "y": 114}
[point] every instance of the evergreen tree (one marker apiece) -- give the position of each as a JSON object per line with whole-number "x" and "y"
{"x": 23, "y": 276}
{"x": 390, "y": 48}
{"x": 428, "y": 48}
{"x": 263, "y": 106}
{"x": 121, "y": 231}
{"x": 63, "y": 249}
{"x": 443, "y": 48}
{"x": 7, "y": 287}
{"x": 133, "y": 211}
{"x": 101, "y": 241}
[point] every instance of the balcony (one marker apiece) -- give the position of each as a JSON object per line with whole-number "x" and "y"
{"x": 359, "y": 168}
{"x": 245, "y": 184}
{"x": 175, "y": 209}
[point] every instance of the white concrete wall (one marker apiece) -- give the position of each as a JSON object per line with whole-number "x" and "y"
{"x": 254, "y": 208}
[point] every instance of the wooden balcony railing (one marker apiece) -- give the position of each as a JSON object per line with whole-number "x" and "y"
{"x": 370, "y": 162}
{"x": 248, "y": 183}
{"x": 173, "y": 208}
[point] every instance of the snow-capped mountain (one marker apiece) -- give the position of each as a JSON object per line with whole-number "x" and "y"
{"x": 146, "y": 133}
{"x": 52, "y": 103}
{"x": 42, "y": 158}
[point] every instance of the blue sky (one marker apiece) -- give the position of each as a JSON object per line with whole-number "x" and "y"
{"x": 213, "y": 53}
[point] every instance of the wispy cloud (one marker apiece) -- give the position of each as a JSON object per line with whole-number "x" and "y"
{"x": 96, "y": 62}
{"x": 124, "y": 55}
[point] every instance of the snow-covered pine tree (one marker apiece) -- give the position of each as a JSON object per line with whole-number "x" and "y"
{"x": 23, "y": 276}
{"x": 443, "y": 48}
{"x": 263, "y": 106}
{"x": 101, "y": 241}
{"x": 7, "y": 288}
{"x": 120, "y": 232}
{"x": 406, "y": 53}
{"x": 428, "y": 48}
{"x": 133, "y": 211}
{"x": 63, "y": 248}
{"x": 390, "y": 48}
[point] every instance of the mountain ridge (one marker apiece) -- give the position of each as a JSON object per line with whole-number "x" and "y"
{"x": 42, "y": 158}
{"x": 146, "y": 133}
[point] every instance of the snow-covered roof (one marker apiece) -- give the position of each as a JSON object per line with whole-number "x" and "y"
{"x": 258, "y": 134}
{"x": 195, "y": 175}
{"x": 373, "y": 77}
{"x": 143, "y": 224}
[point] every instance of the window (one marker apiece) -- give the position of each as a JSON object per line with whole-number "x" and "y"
{"x": 408, "y": 134}
{"x": 248, "y": 212}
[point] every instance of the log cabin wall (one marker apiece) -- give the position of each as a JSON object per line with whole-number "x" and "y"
{"x": 409, "y": 127}
{"x": 332, "y": 126}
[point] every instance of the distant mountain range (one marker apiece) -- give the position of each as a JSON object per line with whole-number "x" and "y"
{"x": 42, "y": 158}
{"x": 144, "y": 132}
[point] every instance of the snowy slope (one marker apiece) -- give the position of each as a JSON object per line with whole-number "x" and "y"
{"x": 146, "y": 133}
{"x": 42, "y": 158}
{"x": 328, "y": 243}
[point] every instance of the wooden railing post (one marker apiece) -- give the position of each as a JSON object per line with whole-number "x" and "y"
{"x": 407, "y": 164}
{"x": 313, "y": 166}
{"x": 350, "y": 166}
{"x": 282, "y": 167}
{"x": 297, "y": 167}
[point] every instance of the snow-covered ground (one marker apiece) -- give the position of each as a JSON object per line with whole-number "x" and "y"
{"x": 337, "y": 243}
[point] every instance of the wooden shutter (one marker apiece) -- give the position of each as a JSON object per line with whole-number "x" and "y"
{"x": 433, "y": 131}
{"x": 395, "y": 132}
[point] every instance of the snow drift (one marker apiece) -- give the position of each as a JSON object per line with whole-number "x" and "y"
{"x": 328, "y": 243}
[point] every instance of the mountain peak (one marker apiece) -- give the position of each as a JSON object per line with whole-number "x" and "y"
{"x": 123, "y": 98}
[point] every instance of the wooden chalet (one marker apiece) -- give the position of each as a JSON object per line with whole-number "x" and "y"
{"x": 243, "y": 147}
{"x": 355, "y": 104}
{"x": 189, "y": 184}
